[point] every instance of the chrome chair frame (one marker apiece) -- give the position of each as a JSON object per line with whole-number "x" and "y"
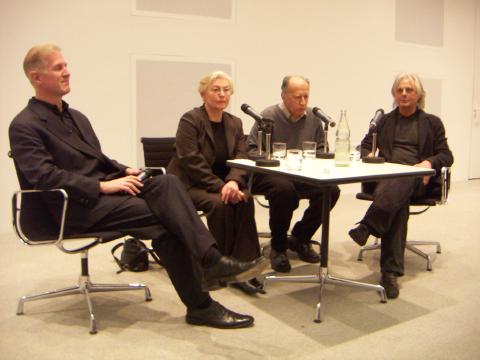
{"x": 84, "y": 285}
{"x": 411, "y": 245}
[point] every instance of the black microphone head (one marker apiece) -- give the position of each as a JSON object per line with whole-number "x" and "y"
{"x": 324, "y": 117}
{"x": 244, "y": 107}
{"x": 377, "y": 117}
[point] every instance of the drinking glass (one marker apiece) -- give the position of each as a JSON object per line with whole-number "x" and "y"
{"x": 309, "y": 150}
{"x": 294, "y": 159}
{"x": 354, "y": 155}
{"x": 279, "y": 150}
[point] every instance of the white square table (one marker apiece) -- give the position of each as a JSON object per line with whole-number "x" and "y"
{"x": 323, "y": 172}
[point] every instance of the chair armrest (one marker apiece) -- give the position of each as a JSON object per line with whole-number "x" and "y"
{"x": 57, "y": 239}
{"x": 445, "y": 178}
{"x": 156, "y": 170}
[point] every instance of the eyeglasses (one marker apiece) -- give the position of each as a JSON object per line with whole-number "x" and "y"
{"x": 219, "y": 90}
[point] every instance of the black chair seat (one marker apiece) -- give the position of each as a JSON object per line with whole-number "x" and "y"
{"x": 413, "y": 201}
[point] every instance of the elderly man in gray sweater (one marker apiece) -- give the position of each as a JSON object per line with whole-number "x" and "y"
{"x": 293, "y": 124}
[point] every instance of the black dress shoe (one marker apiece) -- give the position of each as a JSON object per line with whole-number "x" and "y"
{"x": 279, "y": 261}
{"x": 389, "y": 282}
{"x": 303, "y": 249}
{"x": 250, "y": 287}
{"x": 218, "y": 316}
{"x": 360, "y": 234}
{"x": 228, "y": 270}
{"x": 257, "y": 284}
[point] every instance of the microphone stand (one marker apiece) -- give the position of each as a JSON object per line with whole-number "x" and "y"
{"x": 265, "y": 160}
{"x": 374, "y": 159}
{"x": 325, "y": 154}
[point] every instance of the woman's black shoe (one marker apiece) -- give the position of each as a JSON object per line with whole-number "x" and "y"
{"x": 250, "y": 287}
{"x": 258, "y": 285}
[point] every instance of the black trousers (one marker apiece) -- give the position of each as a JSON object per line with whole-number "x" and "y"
{"x": 284, "y": 197}
{"x": 232, "y": 225}
{"x": 164, "y": 212}
{"x": 387, "y": 218}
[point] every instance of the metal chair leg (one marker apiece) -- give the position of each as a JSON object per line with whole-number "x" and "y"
{"x": 120, "y": 287}
{"x": 422, "y": 242}
{"x": 420, "y": 253}
{"x": 410, "y": 245}
{"x": 93, "y": 323}
{"x": 374, "y": 246}
{"x": 70, "y": 290}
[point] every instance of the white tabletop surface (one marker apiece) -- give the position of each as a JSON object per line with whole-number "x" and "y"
{"x": 324, "y": 171}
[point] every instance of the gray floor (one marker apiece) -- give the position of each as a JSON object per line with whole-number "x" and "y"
{"x": 436, "y": 316}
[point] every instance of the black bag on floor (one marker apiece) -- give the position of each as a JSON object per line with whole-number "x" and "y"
{"x": 134, "y": 256}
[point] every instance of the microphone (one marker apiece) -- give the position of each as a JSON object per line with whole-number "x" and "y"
{"x": 324, "y": 117}
{"x": 145, "y": 174}
{"x": 373, "y": 130}
{"x": 247, "y": 109}
{"x": 376, "y": 118}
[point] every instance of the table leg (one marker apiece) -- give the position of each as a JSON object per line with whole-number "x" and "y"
{"x": 323, "y": 276}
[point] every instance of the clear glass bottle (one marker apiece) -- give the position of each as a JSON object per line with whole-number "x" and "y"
{"x": 342, "y": 141}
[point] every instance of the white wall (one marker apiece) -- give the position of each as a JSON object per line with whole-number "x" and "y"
{"x": 346, "y": 47}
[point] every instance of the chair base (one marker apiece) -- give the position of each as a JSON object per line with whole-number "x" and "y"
{"x": 410, "y": 245}
{"x": 85, "y": 287}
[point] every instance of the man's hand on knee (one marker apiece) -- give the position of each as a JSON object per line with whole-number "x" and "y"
{"x": 129, "y": 184}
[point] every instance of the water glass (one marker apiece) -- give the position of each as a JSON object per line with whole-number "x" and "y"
{"x": 279, "y": 150}
{"x": 354, "y": 155}
{"x": 309, "y": 150}
{"x": 294, "y": 159}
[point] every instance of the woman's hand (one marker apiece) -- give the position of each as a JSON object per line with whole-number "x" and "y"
{"x": 231, "y": 194}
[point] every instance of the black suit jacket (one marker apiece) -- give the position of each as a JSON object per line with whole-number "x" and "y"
{"x": 49, "y": 156}
{"x": 195, "y": 151}
{"x": 432, "y": 143}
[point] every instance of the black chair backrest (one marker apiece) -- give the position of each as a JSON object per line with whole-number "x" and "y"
{"x": 36, "y": 222}
{"x": 158, "y": 151}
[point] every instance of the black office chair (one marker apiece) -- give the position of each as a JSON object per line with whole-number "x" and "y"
{"x": 157, "y": 151}
{"x": 35, "y": 225}
{"x": 434, "y": 199}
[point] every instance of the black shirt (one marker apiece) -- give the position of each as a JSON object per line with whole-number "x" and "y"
{"x": 405, "y": 144}
{"x": 219, "y": 166}
{"x": 64, "y": 116}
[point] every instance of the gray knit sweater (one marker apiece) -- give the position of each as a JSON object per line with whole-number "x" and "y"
{"x": 308, "y": 128}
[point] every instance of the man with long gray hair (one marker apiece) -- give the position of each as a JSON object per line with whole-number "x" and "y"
{"x": 407, "y": 135}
